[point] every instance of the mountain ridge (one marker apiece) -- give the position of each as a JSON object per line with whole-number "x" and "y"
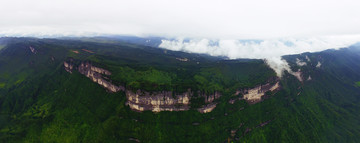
{"x": 41, "y": 102}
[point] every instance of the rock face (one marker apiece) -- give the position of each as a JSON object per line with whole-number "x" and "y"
{"x": 207, "y": 108}
{"x": 183, "y": 59}
{"x": 68, "y": 66}
{"x": 158, "y": 101}
{"x": 95, "y": 74}
{"x": 300, "y": 63}
{"x": 163, "y": 100}
{"x": 139, "y": 100}
{"x": 32, "y": 50}
{"x": 298, "y": 75}
{"x": 318, "y": 65}
{"x": 309, "y": 78}
{"x": 210, "y": 98}
{"x": 254, "y": 95}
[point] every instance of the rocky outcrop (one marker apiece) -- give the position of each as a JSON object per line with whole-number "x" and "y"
{"x": 166, "y": 101}
{"x": 75, "y": 51}
{"x": 139, "y": 100}
{"x": 95, "y": 74}
{"x": 318, "y": 65}
{"x": 255, "y": 94}
{"x": 158, "y": 101}
{"x": 89, "y": 67}
{"x": 163, "y": 100}
{"x": 298, "y": 75}
{"x": 300, "y": 63}
{"x": 309, "y": 78}
{"x": 33, "y": 50}
{"x": 207, "y": 108}
{"x": 68, "y": 66}
{"x": 210, "y": 98}
{"x": 183, "y": 59}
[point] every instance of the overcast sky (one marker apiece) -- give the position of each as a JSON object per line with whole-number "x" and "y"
{"x": 219, "y": 19}
{"x": 282, "y": 26}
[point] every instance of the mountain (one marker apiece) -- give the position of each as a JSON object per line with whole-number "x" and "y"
{"x": 111, "y": 90}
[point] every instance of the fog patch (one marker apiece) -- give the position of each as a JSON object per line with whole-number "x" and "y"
{"x": 278, "y": 65}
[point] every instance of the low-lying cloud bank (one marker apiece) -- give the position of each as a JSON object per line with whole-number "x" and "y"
{"x": 271, "y": 50}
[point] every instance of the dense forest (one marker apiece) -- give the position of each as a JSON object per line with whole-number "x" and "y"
{"x": 41, "y": 102}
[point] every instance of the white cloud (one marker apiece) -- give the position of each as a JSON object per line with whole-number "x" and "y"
{"x": 278, "y": 65}
{"x": 271, "y": 50}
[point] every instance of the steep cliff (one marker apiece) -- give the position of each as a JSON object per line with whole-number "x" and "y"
{"x": 210, "y": 98}
{"x": 143, "y": 100}
{"x": 207, "y": 108}
{"x": 68, "y": 66}
{"x": 158, "y": 101}
{"x": 254, "y": 95}
{"x": 165, "y": 100}
{"x": 298, "y": 75}
{"x": 95, "y": 74}
{"x": 33, "y": 50}
{"x": 209, "y": 102}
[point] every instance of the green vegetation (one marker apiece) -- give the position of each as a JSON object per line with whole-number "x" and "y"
{"x": 357, "y": 83}
{"x": 41, "y": 102}
{"x": 2, "y": 85}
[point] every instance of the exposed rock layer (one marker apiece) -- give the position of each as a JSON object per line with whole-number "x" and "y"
{"x": 33, "y": 50}
{"x": 68, "y": 66}
{"x": 95, "y": 74}
{"x": 139, "y": 100}
{"x": 207, "y": 108}
{"x": 163, "y": 100}
{"x": 158, "y": 101}
{"x": 256, "y": 94}
{"x": 210, "y": 98}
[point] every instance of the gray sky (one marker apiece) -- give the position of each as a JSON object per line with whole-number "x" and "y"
{"x": 283, "y": 26}
{"x": 220, "y": 19}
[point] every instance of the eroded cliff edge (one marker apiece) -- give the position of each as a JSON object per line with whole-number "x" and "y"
{"x": 164, "y": 100}
{"x": 96, "y": 75}
{"x": 158, "y": 101}
{"x": 257, "y": 94}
